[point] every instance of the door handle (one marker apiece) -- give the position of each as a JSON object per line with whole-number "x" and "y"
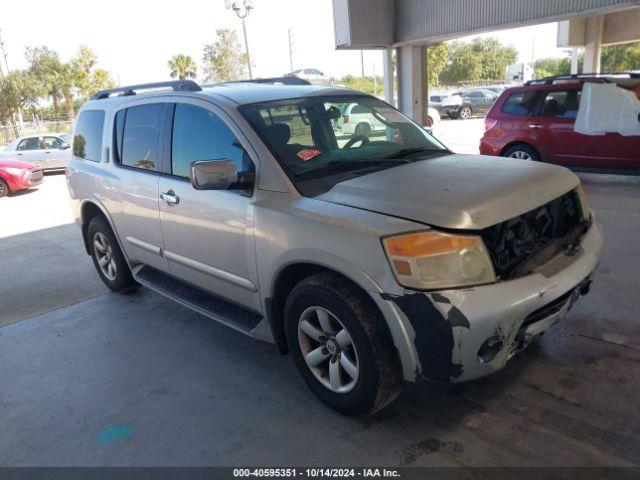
{"x": 170, "y": 197}
{"x": 535, "y": 125}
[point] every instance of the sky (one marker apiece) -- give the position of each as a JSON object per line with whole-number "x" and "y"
{"x": 135, "y": 39}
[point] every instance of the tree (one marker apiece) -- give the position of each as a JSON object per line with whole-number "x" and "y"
{"x": 17, "y": 91}
{"x": 45, "y": 68}
{"x": 364, "y": 84}
{"x": 437, "y": 57}
{"x": 481, "y": 59}
{"x": 621, "y": 58}
{"x": 77, "y": 78}
{"x": 224, "y": 60}
{"x": 182, "y": 66}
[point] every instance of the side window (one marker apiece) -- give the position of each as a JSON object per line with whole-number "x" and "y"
{"x": 199, "y": 134}
{"x": 87, "y": 140}
{"x": 561, "y": 104}
{"x": 32, "y": 143}
{"x": 520, "y": 104}
{"x": 360, "y": 109}
{"x": 53, "y": 143}
{"x": 141, "y": 136}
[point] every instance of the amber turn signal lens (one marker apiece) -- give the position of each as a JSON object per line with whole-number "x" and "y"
{"x": 426, "y": 243}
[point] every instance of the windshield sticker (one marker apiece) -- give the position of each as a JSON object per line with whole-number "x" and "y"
{"x": 306, "y": 155}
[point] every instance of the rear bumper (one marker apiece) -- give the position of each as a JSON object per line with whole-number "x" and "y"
{"x": 462, "y": 334}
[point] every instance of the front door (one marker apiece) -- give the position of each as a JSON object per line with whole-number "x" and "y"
{"x": 55, "y": 152}
{"x": 208, "y": 234}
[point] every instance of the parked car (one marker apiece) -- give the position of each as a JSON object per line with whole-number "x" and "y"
{"x": 362, "y": 120}
{"x": 472, "y": 102}
{"x": 311, "y": 75}
{"x": 436, "y": 100}
{"x": 67, "y": 137}
{"x": 536, "y": 122}
{"x": 50, "y": 152}
{"x": 17, "y": 175}
{"x": 372, "y": 262}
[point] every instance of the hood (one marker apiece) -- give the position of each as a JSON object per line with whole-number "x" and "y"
{"x": 456, "y": 191}
{"x": 15, "y": 163}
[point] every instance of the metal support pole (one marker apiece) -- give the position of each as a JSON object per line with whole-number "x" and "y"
{"x": 387, "y": 75}
{"x": 290, "y": 49}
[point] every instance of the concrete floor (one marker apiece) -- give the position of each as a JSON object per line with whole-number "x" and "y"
{"x": 137, "y": 380}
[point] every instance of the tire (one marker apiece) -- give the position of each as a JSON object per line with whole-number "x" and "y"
{"x": 115, "y": 273}
{"x": 522, "y": 152}
{"x": 4, "y": 188}
{"x": 465, "y": 113}
{"x": 363, "y": 129}
{"x": 366, "y": 348}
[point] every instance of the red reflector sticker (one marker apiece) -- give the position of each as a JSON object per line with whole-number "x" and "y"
{"x": 307, "y": 155}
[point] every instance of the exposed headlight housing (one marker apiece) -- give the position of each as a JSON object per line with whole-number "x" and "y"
{"x": 434, "y": 260}
{"x": 584, "y": 204}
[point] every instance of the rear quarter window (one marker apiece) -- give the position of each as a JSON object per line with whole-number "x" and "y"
{"x": 87, "y": 140}
{"x": 520, "y": 104}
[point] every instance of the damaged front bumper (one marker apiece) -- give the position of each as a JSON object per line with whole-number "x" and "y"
{"x": 462, "y": 334}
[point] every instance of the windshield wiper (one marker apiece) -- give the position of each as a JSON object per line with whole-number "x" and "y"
{"x": 405, "y": 152}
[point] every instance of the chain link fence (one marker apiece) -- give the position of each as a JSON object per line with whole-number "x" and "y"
{"x": 8, "y": 133}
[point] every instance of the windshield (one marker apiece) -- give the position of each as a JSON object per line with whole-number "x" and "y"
{"x": 324, "y": 140}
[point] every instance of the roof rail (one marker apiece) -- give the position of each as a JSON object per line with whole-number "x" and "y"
{"x": 582, "y": 76}
{"x": 286, "y": 80}
{"x": 176, "y": 85}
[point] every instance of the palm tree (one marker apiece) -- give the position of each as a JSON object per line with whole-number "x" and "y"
{"x": 182, "y": 66}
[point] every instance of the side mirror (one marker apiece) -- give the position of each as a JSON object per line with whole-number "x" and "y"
{"x": 219, "y": 175}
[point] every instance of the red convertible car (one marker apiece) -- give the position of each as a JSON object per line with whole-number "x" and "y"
{"x": 17, "y": 175}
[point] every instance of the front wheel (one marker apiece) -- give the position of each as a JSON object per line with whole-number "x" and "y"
{"x": 341, "y": 346}
{"x": 108, "y": 258}
{"x": 4, "y": 188}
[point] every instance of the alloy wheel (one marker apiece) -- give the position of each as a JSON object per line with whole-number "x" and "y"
{"x": 104, "y": 256}
{"x": 465, "y": 113}
{"x": 328, "y": 349}
{"x": 520, "y": 155}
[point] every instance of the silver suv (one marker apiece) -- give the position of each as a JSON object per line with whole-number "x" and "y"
{"x": 373, "y": 259}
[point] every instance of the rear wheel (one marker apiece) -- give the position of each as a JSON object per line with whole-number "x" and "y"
{"x": 341, "y": 346}
{"x": 108, "y": 258}
{"x": 522, "y": 152}
{"x": 465, "y": 112}
{"x": 4, "y": 188}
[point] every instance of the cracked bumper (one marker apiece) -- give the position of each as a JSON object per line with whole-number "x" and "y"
{"x": 462, "y": 334}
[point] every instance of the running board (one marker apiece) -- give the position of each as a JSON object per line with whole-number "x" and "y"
{"x": 198, "y": 300}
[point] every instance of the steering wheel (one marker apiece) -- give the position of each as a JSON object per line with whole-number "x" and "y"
{"x": 356, "y": 139}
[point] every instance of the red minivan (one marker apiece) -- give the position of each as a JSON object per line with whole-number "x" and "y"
{"x": 535, "y": 121}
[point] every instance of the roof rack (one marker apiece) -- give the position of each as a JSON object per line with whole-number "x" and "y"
{"x": 176, "y": 85}
{"x": 582, "y": 76}
{"x": 286, "y": 80}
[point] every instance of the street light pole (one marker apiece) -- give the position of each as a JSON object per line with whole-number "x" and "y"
{"x": 242, "y": 10}
{"x": 246, "y": 47}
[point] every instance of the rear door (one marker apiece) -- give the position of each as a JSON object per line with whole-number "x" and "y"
{"x": 553, "y": 126}
{"x": 208, "y": 234}
{"x": 138, "y": 151}
{"x": 29, "y": 150}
